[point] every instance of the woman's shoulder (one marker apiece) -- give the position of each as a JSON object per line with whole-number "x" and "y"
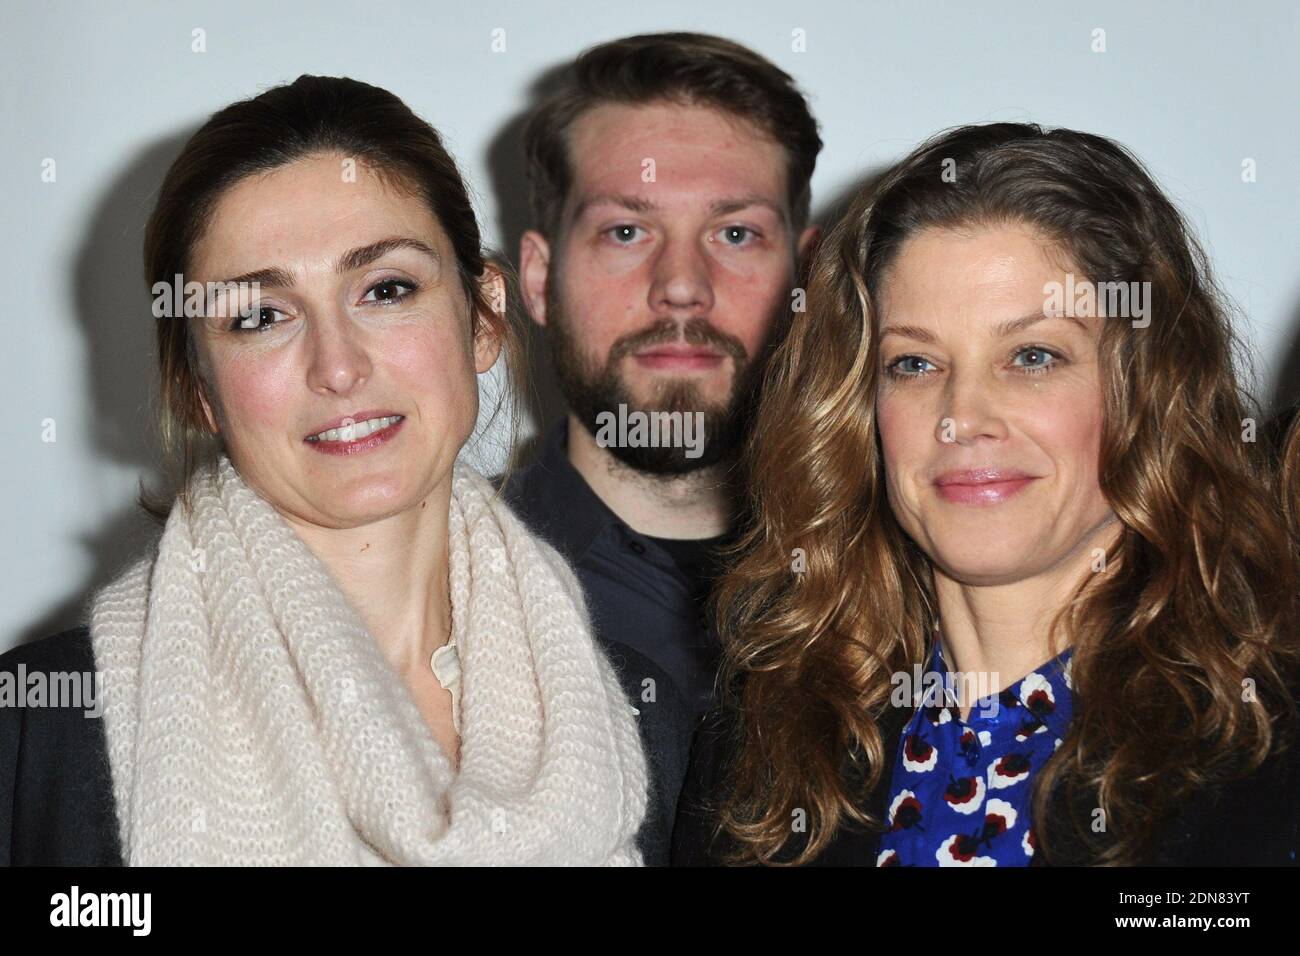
{"x": 1236, "y": 819}
{"x": 66, "y": 650}
{"x": 47, "y": 688}
{"x": 56, "y": 797}
{"x": 1245, "y": 817}
{"x": 1251, "y": 819}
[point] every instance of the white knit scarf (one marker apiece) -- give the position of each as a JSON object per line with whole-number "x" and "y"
{"x": 252, "y": 719}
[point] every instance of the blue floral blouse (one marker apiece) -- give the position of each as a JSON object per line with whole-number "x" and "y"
{"x": 960, "y": 789}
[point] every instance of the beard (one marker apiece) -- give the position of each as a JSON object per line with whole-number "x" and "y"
{"x": 593, "y": 390}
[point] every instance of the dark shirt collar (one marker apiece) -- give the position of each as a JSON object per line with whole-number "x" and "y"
{"x": 555, "y": 500}
{"x": 564, "y": 504}
{"x": 1054, "y": 712}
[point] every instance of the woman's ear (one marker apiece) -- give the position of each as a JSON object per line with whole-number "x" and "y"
{"x": 490, "y": 327}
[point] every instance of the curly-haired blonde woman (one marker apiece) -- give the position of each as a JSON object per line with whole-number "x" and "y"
{"x": 1014, "y": 587}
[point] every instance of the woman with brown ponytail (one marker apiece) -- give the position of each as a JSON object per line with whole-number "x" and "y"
{"x": 344, "y": 648}
{"x": 1014, "y": 587}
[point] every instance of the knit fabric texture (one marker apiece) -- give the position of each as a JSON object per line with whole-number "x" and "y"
{"x": 251, "y": 718}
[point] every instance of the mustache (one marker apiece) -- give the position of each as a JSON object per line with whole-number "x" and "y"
{"x": 696, "y": 331}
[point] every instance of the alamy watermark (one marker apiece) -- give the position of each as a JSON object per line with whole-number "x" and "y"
{"x": 658, "y": 429}
{"x": 193, "y": 299}
{"x": 1084, "y": 299}
{"x": 75, "y": 908}
{"x": 79, "y": 690}
{"x": 929, "y": 688}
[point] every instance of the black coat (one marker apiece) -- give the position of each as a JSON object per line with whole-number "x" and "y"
{"x": 56, "y": 797}
{"x": 1251, "y": 821}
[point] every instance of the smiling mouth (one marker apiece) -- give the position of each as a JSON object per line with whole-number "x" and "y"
{"x": 984, "y": 492}
{"x": 356, "y": 431}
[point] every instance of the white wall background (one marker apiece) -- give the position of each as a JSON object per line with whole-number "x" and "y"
{"x": 110, "y": 90}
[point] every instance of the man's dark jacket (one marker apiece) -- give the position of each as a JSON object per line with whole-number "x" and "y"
{"x": 637, "y": 595}
{"x": 641, "y": 604}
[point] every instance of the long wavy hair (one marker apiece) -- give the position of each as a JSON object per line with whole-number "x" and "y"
{"x": 1183, "y": 655}
{"x": 1288, "y": 484}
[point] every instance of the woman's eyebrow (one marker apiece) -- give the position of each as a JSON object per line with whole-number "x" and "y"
{"x": 1001, "y": 330}
{"x": 1012, "y": 326}
{"x": 365, "y": 255}
{"x": 278, "y": 278}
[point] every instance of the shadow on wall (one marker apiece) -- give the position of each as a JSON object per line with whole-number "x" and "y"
{"x": 543, "y": 404}
{"x": 113, "y": 310}
{"x": 1286, "y": 392}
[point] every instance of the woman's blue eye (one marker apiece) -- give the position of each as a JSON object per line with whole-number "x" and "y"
{"x": 907, "y": 366}
{"x": 898, "y": 367}
{"x": 1047, "y": 354}
{"x": 390, "y": 284}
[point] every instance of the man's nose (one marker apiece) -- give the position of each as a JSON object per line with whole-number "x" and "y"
{"x": 681, "y": 281}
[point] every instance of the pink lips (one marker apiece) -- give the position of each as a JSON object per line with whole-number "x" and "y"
{"x": 346, "y": 449}
{"x": 668, "y": 357}
{"x": 982, "y": 486}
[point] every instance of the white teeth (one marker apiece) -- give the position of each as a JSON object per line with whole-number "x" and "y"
{"x": 357, "y": 430}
